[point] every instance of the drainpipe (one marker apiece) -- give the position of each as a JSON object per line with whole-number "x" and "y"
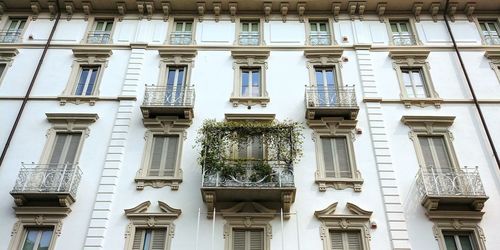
{"x": 28, "y": 92}
{"x": 474, "y": 98}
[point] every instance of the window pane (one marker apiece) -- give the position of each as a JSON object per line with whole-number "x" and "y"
{"x": 178, "y": 26}
{"x": 394, "y": 28}
{"x": 55, "y": 157}
{"x": 45, "y": 239}
{"x": 255, "y": 83}
{"x": 426, "y": 151}
{"x": 465, "y": 242}
{"x": 256, "y": 148}
{"x": 81, "y": 82}
{"x": 330, "y": 79}
{"x": 90, "y": 87}
{"x": 147, "y": 240}
{"x": 322, "y": 27}
{"x": 2, "y": 68}
{"x": 245, "y": 82}
{"x": 72, "y": 147}
{"x": 441, "y": 153}
{"x": 99, "y": 26}
{"x": 449, "y": 241}
{"x": 319, "y": 77}
{"x": 171, "y": 76}
{"x": 109, "y": 25}
{"x": 180, "y": 78}
{"x": 244, "y": 27}
{"x": 404, "y": 27}
{"x": 29, "y": 242}
{"x": 188, "y": 27}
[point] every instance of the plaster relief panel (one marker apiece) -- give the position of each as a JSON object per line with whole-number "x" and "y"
{"x": 278, "y": 32}
{"x": 434, "y": 32}
{"x": 220, "y": 32}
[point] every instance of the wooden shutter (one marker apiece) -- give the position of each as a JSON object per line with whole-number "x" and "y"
{"x": 426, "y": 152}
{"x": 441, "y": 153}
{"x": 256, "y": 239}
{"x": 156, "y": 155}
{"x": 336, "y": 240}
{"x": 138, "y": 239}
{"x": 59, "y": 142}
{"x": 65, "y": 148}
{"x": 171, "y": 159}
{"x": 328, "y": 157}
{"x": 342, "y": 153}
{"x": 354, "y": 240}
{"x": 239, "y": 239}
{"x": 159, "y": 238}
{"x": 163, "y": 156}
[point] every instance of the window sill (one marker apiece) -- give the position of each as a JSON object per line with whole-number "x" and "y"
{"x": 158, "y": 182}
{"x": 339, "y": 183}
{"x": 76, "y": 99}
{"x": 422, "y": 102}
{"x": 249, "y": 101}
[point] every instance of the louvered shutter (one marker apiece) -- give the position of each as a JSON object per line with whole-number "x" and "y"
{"x": 328, "y": 157}
{"x": 57, "y": 150}
{"x": 159, "y": 237}
{"x": 239, "y": 240}
{"x": 171, "y": 159}
{"x": 65, "y": 148}
{"x": 154, "y": 167}
{"x": 256, "y": 239}
{"x": 426, "y": 152}
{"x": 441, "y": 153}
{"x": 74, "y": 142}
{"x": 342, "y": 154}
{"x": 354, "y": 240}
{"x": 336, "y": 240}
{"x": 138, "y": 239}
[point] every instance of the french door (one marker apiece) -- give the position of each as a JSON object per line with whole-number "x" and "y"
{"x": 175, "y": 85}
{"x": 326, "y": 86}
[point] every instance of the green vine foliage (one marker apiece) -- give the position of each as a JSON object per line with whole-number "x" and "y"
{"x": 220, "y": 140}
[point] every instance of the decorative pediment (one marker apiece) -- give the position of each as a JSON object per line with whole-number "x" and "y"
{"x": 356, "y": 212}
{"x": 166, "y": 124}
{"x": 248, "y": 209}
{"x": 332, "y": 125}
{"x": 72, "y": 117}
{"x": 177, "y": 55}
{"x": 250, "y": 117}
{"x": 141, "y": 211}
{"x": 428, "y": 123}
{"x": 92, "y": 55}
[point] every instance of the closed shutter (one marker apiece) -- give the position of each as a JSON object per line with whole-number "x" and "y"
{"x": 354, "y": 240}
{"x": 441, "y": 153}
{"x": 65, "y": 148}
{"x": 426, "y": 152}
{"x": 328, "y": 157}
{"x": 163, "y": 156}
{"x": 344, "y": 164}
{"x": 159, "y": 238}
{"x": 171, "y": 160}
{"x": 138, "y": 239}
{"x": 336, "y": 240}
{"x": 345, "y": 240}
{"x": 154, "y": 167}
{"x": 248, "y": 239}
{"x": 435, "y": 153}
{"x": 256, "y": 239}
{"x": 239, "y": 240}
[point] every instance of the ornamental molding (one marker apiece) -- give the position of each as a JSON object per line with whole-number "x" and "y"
{"x": 333, "y": 125}
{"x": 333, "y": 53}
{"x": 237, "y": 117}
{"x": 406, "y": 54}
{"x": 166, "y": 124}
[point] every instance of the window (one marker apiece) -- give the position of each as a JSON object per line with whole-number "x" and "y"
{"x": 163, "y": 156}
{"x": 65, "y": 148}
{"x": 252, "y": 149}
{"x": 13, "y": 30}
{"x": 414, "y": 83}
{"x": 101, "y": 32}
{"x": 325, "y": 86}
{"x": 37, "y": 238}
{"x": 435, "y": 153}
{"x": 345, "y": 240}
{"x": 494, "y": 58}
{"x": 459, "y": 240}
{"x": 490, "y": 32}
{"x": 319, "y": 33}
{"x": 249, "y": 77}
{"x": 2, "y": 69}
{"x": 244, "y": 239}
{"x": 149, "y": 239}
{"x": 6, "y": 57}
{"x": 402, "y": 34}
{"x": 87, "y": 80}
{"x": 176, "y": 85}
{"x": 182, "y": 33}
{"x": 249, "y": 33}
{"x": 336, "y": 164}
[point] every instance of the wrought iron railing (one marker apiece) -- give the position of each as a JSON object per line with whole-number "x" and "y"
{"x": 181, "y": 38}
{"x": 99, "y": 37}
{"x": 249, "y": 38}
{"x": 330, "y": 97}
{"x": 464, "y": 182}
{"x": 10, "y": 36}
{"x": 492, "y": 40}
{"x": 280, "y": 176}
{"x": 320, "y": 39}
{"x": 169, "y": 96}
{"x": 403, "y": 39}
{"x": 48, "y": 178}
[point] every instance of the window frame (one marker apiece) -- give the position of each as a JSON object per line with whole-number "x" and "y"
{"x": 335, "y": 127}
{"x": 411, "y": 59}
{"x": 238, "y": 23}
{"x": 458, "y": 222}
{"x": 249, "y": 59}
{"x": 6, "y": 57}
{"x": 172, "y": 25}
{"x": 486, "y": 18}
{"x": 91, "y": 24}
{"x": 411, "y": 25}
{"x": 494, "y": 59}
{"x": 7, "y": 21}
{"x": 329, "y": 24}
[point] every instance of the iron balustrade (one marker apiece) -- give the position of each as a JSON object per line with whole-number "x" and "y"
{"x": 492, "y": 40}
{"x": 249, "y": 38}
{"x": 169, "y": 96}
{"x": 181, "y": 38}
{"x": 403, "y": 39}
{"x": 10, "y": 36}
{"x": 48, "y": 178}
{"x": 330, "y": 97}
{"x": 320, "y": 39}
{"x": 462, "y": 183}
{"x": 99, "y": 37}
{"x": 280, "y": 176}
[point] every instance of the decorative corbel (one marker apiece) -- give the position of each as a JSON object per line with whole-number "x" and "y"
{"x": 267, "y": 11}
{"x": 452, "y": 9}
{"x": 52, "y": 9}
{"x": 361, "y": 9}
{"x": 201, "y": 10}
{"x": 87, "y": 8}
{"x": 336, "y": 10}
{"x": 417, "y": 9}
{"x": 70, "y": 7}
{"x": 217, "y": 8}
{"x": 35, "y": 9}
{"x": 284, "y": 11}
{"x": 165, "y": 6}
{"x": 434, "y": 11}
{"x": 122, "y": 8}
{"x": 301, "y": 9}
{"x": 469, "y": 10}
{"x": 140, "y": 9}
{"x": 149, "y": 9}
{"x": 352, "y": 9}
{"x": 232, "y": 11}
{"x": 381, "y": 11}
{"x": 2, "y": 8}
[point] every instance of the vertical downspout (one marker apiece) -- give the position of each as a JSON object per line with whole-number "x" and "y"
{"x": 478, "y": 107}
{"x": 28, "y": 92}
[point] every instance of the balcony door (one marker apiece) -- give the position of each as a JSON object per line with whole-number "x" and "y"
{"x": 326, "y": 86}
{"x": 175, "y": 85}
{"x": 401, "y": 33}
{"x": 319, "y": 34}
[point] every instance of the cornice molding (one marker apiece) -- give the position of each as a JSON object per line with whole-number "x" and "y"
{"x": 243, "y": 53}
{"x": 333, "y": 52}
{"x": 250, "y": 117}
{"x": 92, "y": 52}
{"x": 441, "y": 121}
{"x": 72, "y": 117}
{"x": 405, "y": 53}
{"x": 177, "y": 52}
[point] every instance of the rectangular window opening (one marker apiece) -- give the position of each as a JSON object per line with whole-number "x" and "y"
{"x": 414, "y": 83}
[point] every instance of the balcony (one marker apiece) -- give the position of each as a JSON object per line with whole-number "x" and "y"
{"x": 99, "y": 37}
{"x": 249, "y": 38}
{"x": 168, "y": 101}
{"x": 404, "y": 39}
{"x": 491, "y": 40}
{"x": 47, "y": 185}
{"x": 320, "y": 39}
{"x": 331, "y": 102}
{"x": 456, "y": 190}
{"x": 10, "y": 36}
{"x": 181, "y": 38}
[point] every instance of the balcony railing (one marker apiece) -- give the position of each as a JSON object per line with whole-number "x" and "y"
{"x": 10, "y": 36}
{"x": 492, "y": 40}
{"x": 99, "y": 37}
{"x": 249, "y": 38}
{"x": 465, "y": 182}
{"x": 281, "y": 176}
{"x": 320, "y": 39}
{"x": 181, "y": 38}
{"x": 404, "y": 39}
{"x": 48, "y": 178}
{"x": 325, "y": 97}
{"x": 168, "y": 96}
